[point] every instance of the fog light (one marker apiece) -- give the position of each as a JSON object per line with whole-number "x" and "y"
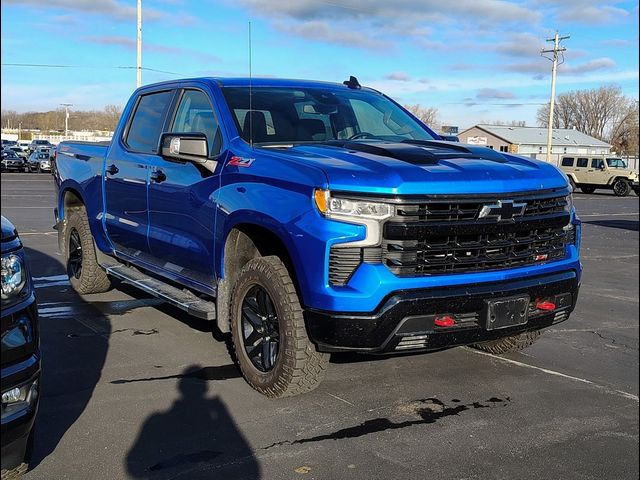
{"x": 19, "y": 398}
{"x": 14, "y": 395}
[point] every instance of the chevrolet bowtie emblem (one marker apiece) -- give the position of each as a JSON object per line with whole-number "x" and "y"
{"x": 503, "y": 210}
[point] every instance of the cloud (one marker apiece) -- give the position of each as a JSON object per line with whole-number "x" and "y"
{"x": 398, "y": 77}
{"x": 114, "y": 9}
{"x": 323, "y": 32}
{"x": 586, "y": 11}
{"x": 492, "y": 10}
{"x": 494, "y": 94}
{"x": 374, "y": 24}
{"x": 604, "y": 63}
{"x": 130, "y": 44}
{"x": 109, "y": 8}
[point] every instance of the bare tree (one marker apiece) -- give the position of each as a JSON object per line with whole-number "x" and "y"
{"x": 604, "y": 113}
{"x": 53, "y": 120}
{"x": 427, "y": 115}
{"x": 506, "y": 123}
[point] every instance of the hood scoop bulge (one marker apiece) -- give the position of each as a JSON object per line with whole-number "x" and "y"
{"x": 419, "y": 152}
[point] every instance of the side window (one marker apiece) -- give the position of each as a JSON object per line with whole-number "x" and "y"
{"x": 583, "y": 162}
{"x": 597, "y": 163}
{"x": 146, "y": 125}
{"x": 195, "y": 115}
{"x": 567, "y": 162}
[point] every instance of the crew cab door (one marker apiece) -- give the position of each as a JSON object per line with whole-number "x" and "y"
{"x": 580, "y": 171}
{"x": 126, "y": 175}
{"x": 181, "y": 208}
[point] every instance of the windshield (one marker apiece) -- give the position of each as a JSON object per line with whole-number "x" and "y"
{"x": 287, "y": 115}
{"x": 616, "y": 163}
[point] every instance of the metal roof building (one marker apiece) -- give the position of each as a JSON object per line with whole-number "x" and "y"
{"x": 532, "y": 141}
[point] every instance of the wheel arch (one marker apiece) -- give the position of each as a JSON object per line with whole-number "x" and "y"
{"x": 244, "y": 242}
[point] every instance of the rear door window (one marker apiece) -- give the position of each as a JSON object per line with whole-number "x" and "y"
{"x": 597, "y": 163}
{"x": 567, "y": 162}
{"x": 583, "y": 162}
{"x": 147, "y": 122}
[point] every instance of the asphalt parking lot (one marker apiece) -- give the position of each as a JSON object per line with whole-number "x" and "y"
{"x": 135, "y": 389}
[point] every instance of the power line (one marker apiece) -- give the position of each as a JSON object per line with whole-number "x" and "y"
{"x": 119, "y": 67}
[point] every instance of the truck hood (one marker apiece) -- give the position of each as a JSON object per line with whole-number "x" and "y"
{"x": 423, "y": 168}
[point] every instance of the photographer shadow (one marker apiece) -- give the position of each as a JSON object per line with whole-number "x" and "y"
{"x": 195, "y": 438}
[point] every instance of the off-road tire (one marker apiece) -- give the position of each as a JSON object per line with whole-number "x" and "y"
{"x": 587, "y": 190}
{"x": 621, "y": 187}
{"x": 93, "y": 279}
{"x": 298, "y": 368}
{"x": 509, "y": 344}
{"x": 573, "y": 184}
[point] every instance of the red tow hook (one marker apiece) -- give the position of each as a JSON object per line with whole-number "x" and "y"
{"x": 445, "y": 321}
{"x": 546, "y": 305}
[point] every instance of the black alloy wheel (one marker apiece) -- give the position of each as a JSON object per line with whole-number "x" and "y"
{"x": 75, "y": 254}
{"x": 621, "y": 188}
{"x": 260, "y": 328}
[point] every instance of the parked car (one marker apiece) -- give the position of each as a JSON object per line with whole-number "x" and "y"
{"x": 20, "y": 355}
{"x": 24, "y": 145}
{"x": 34, "y": 164}
{"x": 309, "y": 217}
{"x": 45, "y": 165}
{"x": 11, "y": 162}
{"x": 19, "y": 152}
{"x": 591, "y": 173}
{"x": 39, "y": 143}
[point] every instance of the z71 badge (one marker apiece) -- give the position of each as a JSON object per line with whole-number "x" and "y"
{"x": 241, "y": 162}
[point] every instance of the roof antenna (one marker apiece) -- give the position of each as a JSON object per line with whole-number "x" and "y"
{"x": 352, "y": 83}
{"x": 250, "y": 112}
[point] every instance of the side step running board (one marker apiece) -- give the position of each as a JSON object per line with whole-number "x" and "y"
{"x": 182, "y": 299}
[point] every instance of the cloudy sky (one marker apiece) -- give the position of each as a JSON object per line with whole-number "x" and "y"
{"x": 475, "y": 60}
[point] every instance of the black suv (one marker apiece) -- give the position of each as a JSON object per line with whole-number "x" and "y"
{"x": 20, "y": 354}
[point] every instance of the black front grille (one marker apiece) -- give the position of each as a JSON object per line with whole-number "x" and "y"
{"x": 467, "y": 210}
{"x": 440, "y": 237}
{"x": 343, "y": 261}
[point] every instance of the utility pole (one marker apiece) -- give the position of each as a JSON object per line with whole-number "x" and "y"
{"x": 66, "y": 117}
{"x": 139, "y": 47}
{"x": 554, "y": 59}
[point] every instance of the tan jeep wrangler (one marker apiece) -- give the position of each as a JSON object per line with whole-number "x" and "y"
{"x": 589, "y": 173}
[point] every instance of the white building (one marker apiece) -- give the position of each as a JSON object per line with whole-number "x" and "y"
{"x": 532, "y": 141}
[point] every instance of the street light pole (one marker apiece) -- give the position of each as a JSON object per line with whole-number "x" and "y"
{"x": 139, "y": 47}
{"x": 554, "y": 68}
{"x": 66, "y": 117}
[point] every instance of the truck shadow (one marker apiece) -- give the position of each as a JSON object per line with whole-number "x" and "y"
{"x": 195, "y": 438}
{"x": 72, "y": 360}
{"x": 621, "y": 224}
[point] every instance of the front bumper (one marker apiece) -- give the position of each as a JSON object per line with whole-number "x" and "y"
{"x": 24, "y": 371}
{"x": 405, "y": 320}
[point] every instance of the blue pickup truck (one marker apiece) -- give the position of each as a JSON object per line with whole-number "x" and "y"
{"x": 306, "y": 218}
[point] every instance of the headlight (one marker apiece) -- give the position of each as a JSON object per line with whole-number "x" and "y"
{"x": 359, "y": 212}
{"x": 341, "y": 207}
{"x": 13, "y": 276}
{"x": 569, "y": 206}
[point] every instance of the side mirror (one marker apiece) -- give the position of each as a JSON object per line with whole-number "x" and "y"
{"x": 192, "y": 147}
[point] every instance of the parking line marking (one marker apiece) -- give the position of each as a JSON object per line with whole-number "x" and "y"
{"x": 608, "y": 390}
{"x": 24, "y": 234}
{"x": 48, "y": 207}
{"x": 632, "y": 214}
{"x": 341, "y": 399}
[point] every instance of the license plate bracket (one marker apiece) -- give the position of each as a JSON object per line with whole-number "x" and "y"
{"x": 506, "y": 312}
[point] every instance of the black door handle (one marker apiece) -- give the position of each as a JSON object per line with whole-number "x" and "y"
{"x": 112, "y": 170}
{"x": 158, "y": 176}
